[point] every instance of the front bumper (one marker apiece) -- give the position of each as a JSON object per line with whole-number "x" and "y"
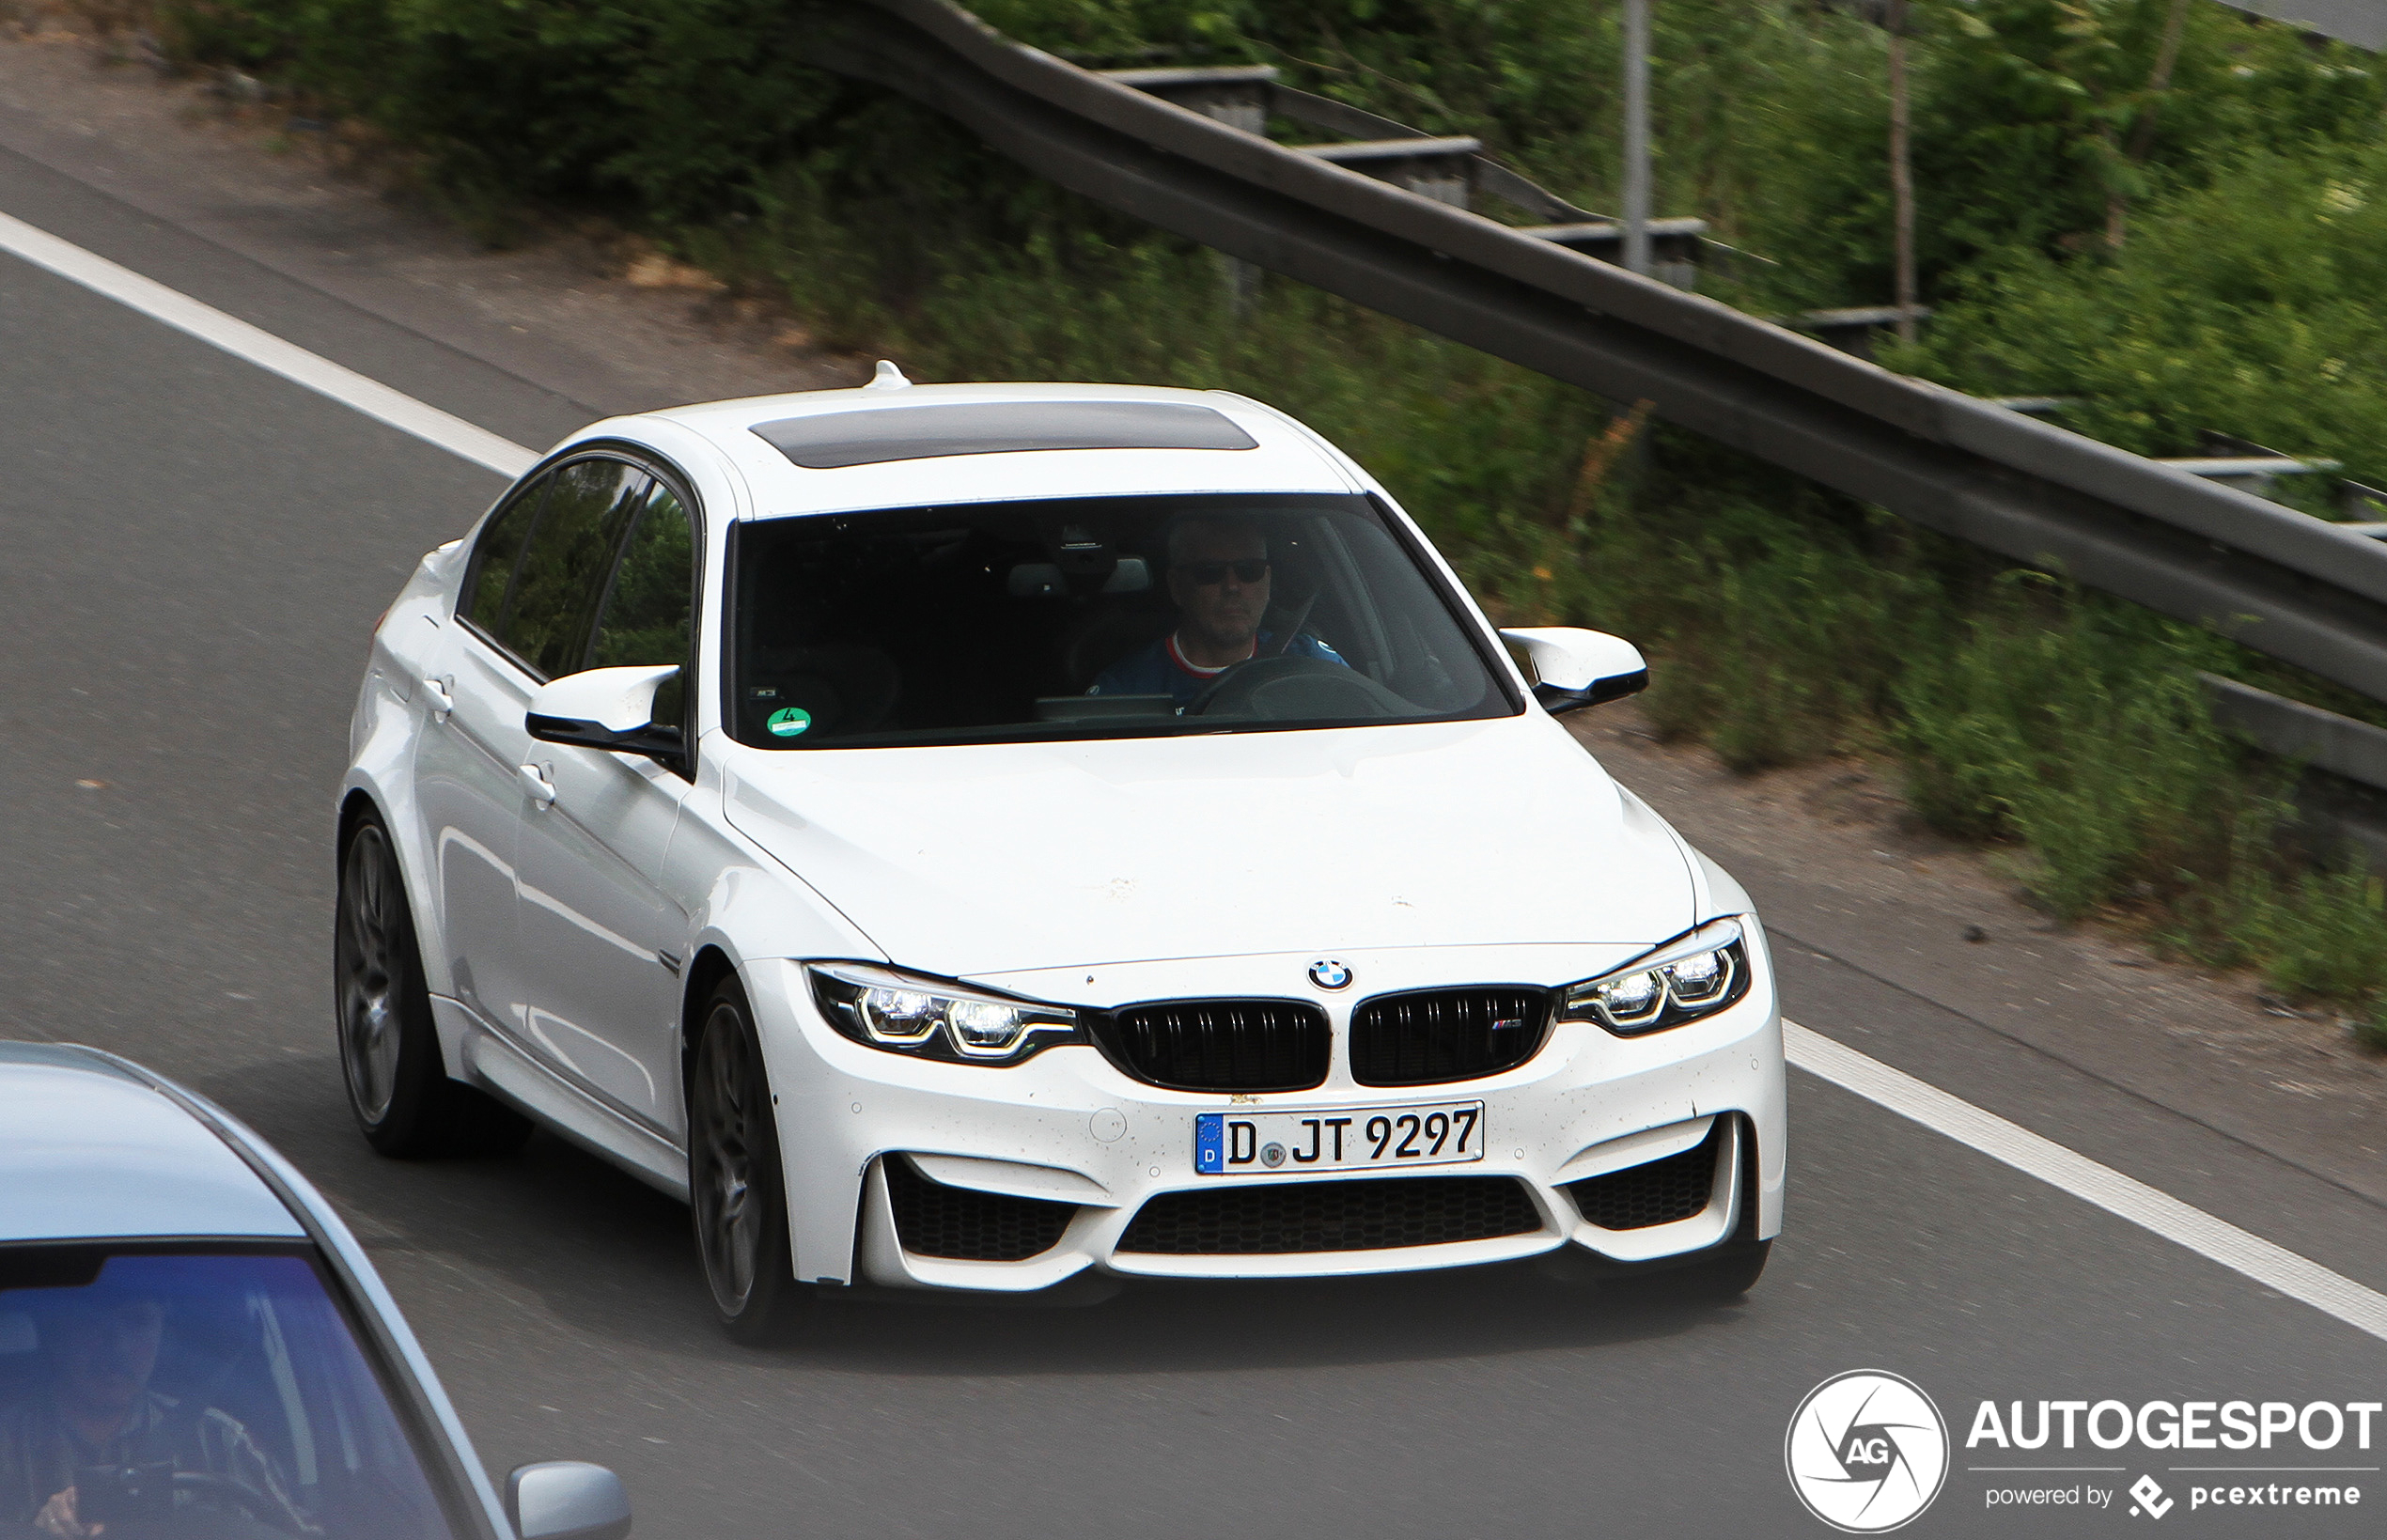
{"x": 1067, "y": 1127}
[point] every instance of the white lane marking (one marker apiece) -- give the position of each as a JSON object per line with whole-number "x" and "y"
{"x": 264, "y": 349}
{"x": 2273, "y": 1267}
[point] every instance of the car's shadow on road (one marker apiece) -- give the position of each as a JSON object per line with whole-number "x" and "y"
{"x": 1148, "y": 1327}
{"x": 610, "y": 1258}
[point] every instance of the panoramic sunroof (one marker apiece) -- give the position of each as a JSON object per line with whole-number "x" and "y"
{"x": 880, "y": 434}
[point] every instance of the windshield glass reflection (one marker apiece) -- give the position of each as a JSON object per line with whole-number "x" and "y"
{"x": 1109, "y": 616}
{"x": 193, "y": 1396}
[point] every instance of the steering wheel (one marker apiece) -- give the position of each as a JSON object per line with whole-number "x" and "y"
{"x": 210, "y": 1487}
{"x": 1245, "y": 689}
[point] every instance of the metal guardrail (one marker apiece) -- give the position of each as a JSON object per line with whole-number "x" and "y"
{"x": 2296, "y": 587}
{"x": 2352, "y": 750}
{"x": 1449, "y": 169}
{"x": 2339, "y": 748}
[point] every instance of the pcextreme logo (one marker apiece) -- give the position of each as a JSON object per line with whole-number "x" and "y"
{"x": 1866, "y": 1451}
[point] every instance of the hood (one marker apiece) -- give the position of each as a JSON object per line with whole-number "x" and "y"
{"x": 1001, "y": 857}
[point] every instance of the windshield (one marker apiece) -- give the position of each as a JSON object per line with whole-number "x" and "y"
{"x": 195, "y": 1398}
{"x": 1092, "y": 618}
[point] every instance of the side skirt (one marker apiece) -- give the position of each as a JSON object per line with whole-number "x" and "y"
{"x": 480, "y": 1056}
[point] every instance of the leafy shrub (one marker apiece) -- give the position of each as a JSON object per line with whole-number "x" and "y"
{"x": 2250, "y": 305}
{"x": 669, "y": 105}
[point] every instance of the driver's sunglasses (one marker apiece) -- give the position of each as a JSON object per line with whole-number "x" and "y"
{"x": 1210, "y": 574}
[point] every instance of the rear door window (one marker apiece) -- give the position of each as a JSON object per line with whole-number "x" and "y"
{"x": 495, "y": 555}
{"x": 561, "y": 577}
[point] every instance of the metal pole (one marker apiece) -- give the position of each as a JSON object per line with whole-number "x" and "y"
{"x": 1637, "y": 136}
{"x": 1901, "y": 175}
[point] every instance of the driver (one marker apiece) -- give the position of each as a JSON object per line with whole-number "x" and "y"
{"x": 1218, "y": 575}
{"x": 97, "y": 1409}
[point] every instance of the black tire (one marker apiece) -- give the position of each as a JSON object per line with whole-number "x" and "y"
{"x": 382, "y": 1009}
{"x": 738, "y": 1196}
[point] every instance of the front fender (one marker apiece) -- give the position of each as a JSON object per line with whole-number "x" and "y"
{"x": 386, "y": 725}
{"x": 379, "y": 774}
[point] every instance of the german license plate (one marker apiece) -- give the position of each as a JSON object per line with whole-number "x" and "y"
{"x": 1338, "y": 1139}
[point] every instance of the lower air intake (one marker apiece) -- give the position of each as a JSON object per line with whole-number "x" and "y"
{"x": 1294, "y": 1216}
{"x": 1661, "y": 1193}
{"x": 934, "y": 1219}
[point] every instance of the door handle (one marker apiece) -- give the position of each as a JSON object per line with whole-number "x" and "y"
{"x": 436, "y": 698}
{"x": 543, "y": 790}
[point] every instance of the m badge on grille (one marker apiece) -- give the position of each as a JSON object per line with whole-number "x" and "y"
{"x": 1328, "y": 973}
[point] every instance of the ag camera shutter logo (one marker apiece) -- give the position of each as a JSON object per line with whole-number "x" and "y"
{"x": 1866, "y": 1451}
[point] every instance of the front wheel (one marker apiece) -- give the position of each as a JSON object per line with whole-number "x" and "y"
{"x": 738, "y": 1196}
{"x": 389, "y": 1048}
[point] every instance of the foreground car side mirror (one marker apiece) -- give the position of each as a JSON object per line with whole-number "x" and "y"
{"x": 1577, "y": 668}
{"x": 610, "y": 708}
{"x": 567, "y": 1500}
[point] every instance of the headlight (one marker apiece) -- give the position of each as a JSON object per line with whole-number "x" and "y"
{"x": 934, "y": 1020}
{"x": 1686, "y": 978}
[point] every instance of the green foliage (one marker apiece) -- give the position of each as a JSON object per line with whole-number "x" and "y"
{"x": 2079, "y": 727}
{"x": 2249, "y": 304}
{"x": 2318, "y": 935}
{"x": 1774, "y": 603}
{"x": 668, "y": 104}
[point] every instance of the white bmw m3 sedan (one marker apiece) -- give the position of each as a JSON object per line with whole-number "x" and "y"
{"x": 1020, "y": 837}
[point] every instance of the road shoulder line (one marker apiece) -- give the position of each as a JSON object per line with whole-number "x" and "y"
{"x": 263, "y": 348}
{"x": 2273, "y": 1267}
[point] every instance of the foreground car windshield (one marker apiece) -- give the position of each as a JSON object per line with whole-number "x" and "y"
{"x": 1120, "y": 616}
{"x": 195, "y": 1398}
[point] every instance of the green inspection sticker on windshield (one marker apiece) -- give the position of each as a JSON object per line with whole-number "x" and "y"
{"x": 789, "y": 720}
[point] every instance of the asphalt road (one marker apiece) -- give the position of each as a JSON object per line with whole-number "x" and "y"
{"x": 194, "y": 553}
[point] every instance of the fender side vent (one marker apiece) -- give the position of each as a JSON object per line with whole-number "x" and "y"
{"x": 1660, "y": 1192}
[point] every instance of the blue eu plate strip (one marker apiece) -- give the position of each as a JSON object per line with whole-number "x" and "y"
{"x": 1210, "y": 1142}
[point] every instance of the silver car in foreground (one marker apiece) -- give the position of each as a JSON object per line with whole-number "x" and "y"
{"x": 193, "y": 1347}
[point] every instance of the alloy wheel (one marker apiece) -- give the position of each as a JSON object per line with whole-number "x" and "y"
{"x": 369, "y": 943}
{"x": 729, "y": 1222}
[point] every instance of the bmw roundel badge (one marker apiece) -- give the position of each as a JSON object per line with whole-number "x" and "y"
{"x": 1328, "y": 973}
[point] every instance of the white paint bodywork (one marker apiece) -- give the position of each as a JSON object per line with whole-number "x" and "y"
{"x": 562, "y": 940}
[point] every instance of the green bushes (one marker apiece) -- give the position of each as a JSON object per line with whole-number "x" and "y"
{"x": 667, "y": 106}
{"x": 2250, "y": 305}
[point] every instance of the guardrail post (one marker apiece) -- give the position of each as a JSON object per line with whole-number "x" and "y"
{"x": 1637, "y": 136}
{"x": 1237, "y": 96}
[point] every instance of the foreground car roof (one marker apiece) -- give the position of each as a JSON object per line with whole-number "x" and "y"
{"x": 87, "y": 1150}
{"x": 1099, "y": 442}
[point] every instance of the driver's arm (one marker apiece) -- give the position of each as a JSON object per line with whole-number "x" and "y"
{"x": 58, "y": 1517}
{"x": 36, "y": 1487}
